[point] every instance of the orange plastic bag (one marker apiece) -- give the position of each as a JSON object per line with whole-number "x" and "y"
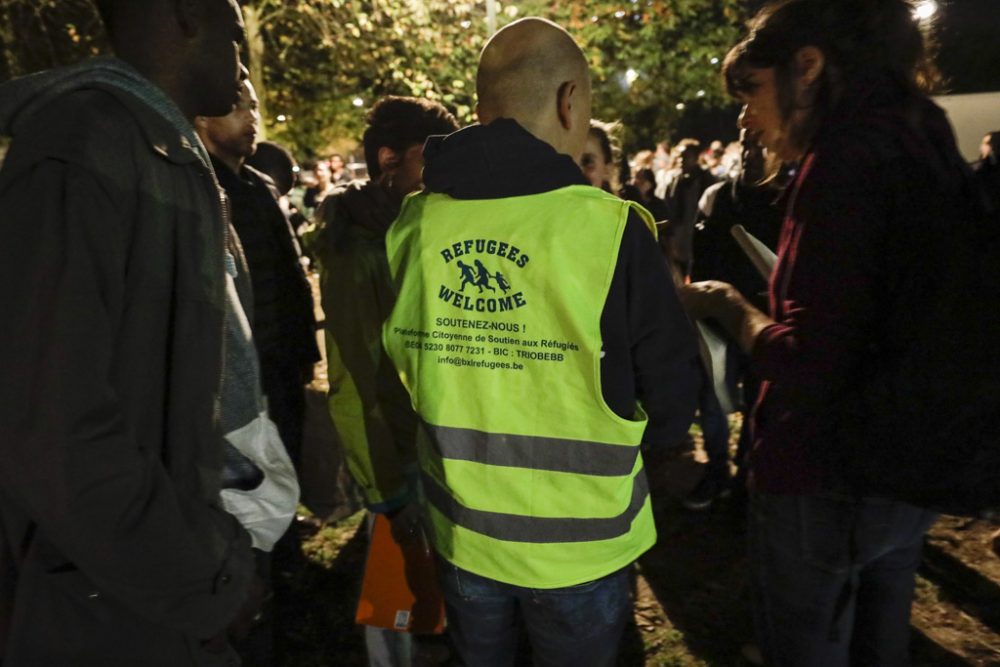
{"x": 399, "y": 593}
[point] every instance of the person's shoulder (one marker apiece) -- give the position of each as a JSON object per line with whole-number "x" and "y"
{"x": 347, "y": 205}
{"x": 636, "y": 235}
{"x": 908, "y": 129}
{"x": 90, "y": 111}
{"x": 263, "y": 180}
{"x": 86, "y": 127}
{"x": 351, "y": 201}
{"x": 710, "y": 197}
{"x": 852, "y": 154}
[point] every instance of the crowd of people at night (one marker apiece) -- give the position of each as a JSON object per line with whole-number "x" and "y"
{"x": 517, "y": 324}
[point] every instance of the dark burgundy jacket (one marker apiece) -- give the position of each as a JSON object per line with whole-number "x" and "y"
{"x": 884, "y": 167}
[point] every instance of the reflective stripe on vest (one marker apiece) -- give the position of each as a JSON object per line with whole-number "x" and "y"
{"x": 528, "y": 451}
{"x": 539, "y": 530}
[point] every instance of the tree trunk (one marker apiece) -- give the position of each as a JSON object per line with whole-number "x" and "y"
{"x": 11, "y": 64}
{"x": 255, "y": 57}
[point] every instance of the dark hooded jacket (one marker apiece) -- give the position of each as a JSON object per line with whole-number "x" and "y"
{"x": 114, "y": 549}
{"x": 650, "y": 353}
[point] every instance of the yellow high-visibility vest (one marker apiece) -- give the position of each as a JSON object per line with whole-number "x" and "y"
{"x": 529, "y": 477}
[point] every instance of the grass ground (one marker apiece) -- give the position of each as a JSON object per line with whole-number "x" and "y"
{"x": 691, "y": 601}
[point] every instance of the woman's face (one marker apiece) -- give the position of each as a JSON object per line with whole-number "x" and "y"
{"x": 592, "y": 162}
{"x": 762, "y": 117}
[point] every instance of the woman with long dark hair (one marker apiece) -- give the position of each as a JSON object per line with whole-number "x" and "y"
{"x": 598, "y": 159}
{"x": 838, "y": 87}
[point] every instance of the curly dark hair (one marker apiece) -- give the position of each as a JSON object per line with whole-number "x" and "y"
{"x": 859, "y": 39}
{"x": 400, "y": 122}
{"x": 277, "y": 162}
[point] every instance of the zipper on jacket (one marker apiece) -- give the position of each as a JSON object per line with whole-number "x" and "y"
{"x": 224, "y": 208}
{"x": 223, "y": 201}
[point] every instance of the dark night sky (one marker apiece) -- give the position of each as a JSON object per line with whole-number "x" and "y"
{"x": 968, "y": 35}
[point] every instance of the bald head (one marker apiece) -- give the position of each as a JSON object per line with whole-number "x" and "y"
{"x": 533, "y": 72}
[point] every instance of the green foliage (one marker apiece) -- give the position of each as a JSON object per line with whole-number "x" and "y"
{"x": 668, "y": 48}
{"x": 40, "y": 34}
{"x": 321, "y": 55}
{"x": 322, "y": 63}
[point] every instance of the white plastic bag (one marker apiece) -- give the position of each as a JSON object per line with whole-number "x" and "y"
{"x": 267, "y": 510}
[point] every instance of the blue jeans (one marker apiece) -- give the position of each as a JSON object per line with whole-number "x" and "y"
{"x": 577, "y": 626}
{"x": 833, "y": 578}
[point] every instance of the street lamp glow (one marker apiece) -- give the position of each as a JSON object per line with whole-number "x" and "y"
{"x": 358, "y": 102}
{"x": 925, "y": 10}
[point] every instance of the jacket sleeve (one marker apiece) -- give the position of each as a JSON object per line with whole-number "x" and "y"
{"x": 72, "y": 459}
{"x": 662, "y": 370}
{"x": 368, "y": 405}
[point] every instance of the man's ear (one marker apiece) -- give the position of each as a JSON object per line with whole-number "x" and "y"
{"x": 565, "y": 99}
{"x": 388, "y": 160}
{"x": 189, "y": 15}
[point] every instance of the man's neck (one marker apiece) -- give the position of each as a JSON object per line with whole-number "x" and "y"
{"x": 232, "y": 162}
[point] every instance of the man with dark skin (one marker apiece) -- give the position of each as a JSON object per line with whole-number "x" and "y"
{"x": 115, "y": 549}
{"x": 280, "y": 309}
{"x": 367, "y": 404}
{"x": 189, "y": 49}
{"x": 284, "y": 328}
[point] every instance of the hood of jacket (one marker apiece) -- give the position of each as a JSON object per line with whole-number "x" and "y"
{"x": 501, "y": 159}
{"x": 21, "y": 98}
{"x": 359, "y": 204}
{"x": 880, "y": 107}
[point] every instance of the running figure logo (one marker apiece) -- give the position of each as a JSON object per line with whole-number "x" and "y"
{"x": 480, "y": 277}
{"x": 493, "y": 291}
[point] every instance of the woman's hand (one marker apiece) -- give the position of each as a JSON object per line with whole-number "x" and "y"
{"x": 710, "y": 299}
{"x": 724, "y": 304}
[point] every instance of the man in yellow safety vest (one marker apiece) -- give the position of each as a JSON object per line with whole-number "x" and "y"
{"x": 536, "y": 388}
